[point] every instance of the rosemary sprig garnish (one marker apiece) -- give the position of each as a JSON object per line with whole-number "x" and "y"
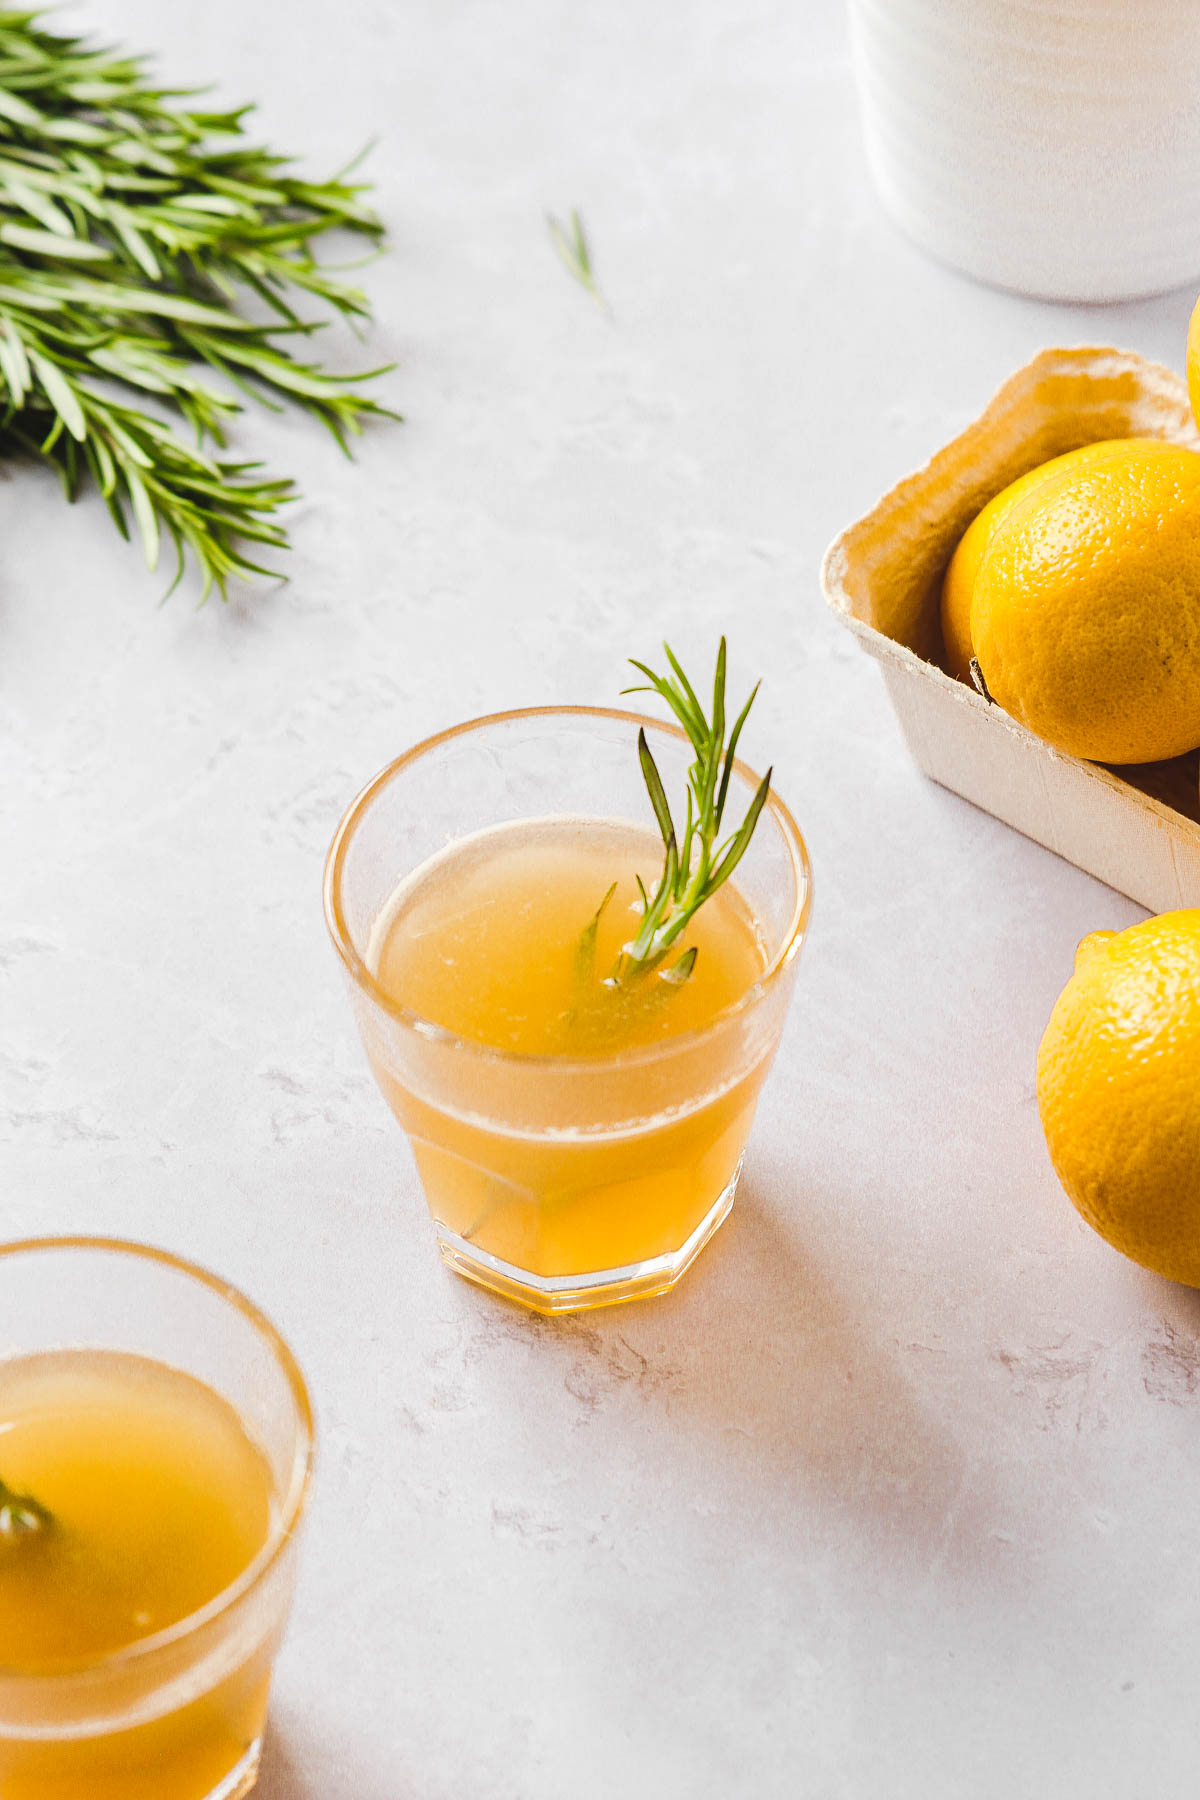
{"x": 694, "y": 866}
{"x": 131, "y": 229}
{"x": 21, "y": 1516}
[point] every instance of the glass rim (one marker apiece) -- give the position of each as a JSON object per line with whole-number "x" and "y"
{"x": 427, "y": 1029}
{"x": 293, "y": 1504}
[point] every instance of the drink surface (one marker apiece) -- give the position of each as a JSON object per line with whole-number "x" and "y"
{"x": 488, "y": 941}
{"x": 159, "y": 1501}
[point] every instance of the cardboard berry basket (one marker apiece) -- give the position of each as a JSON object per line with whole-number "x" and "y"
{"x": 1136, "y": 828}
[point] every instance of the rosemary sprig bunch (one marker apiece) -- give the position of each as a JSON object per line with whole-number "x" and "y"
{"x": 694, "y": 865}
{"x": 20, "y": 1517}
{"x": 132, "y": 229}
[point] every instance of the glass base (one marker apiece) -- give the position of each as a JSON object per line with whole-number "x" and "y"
{"x": 583, "y": 1293}
{"x": 240, "y": 1780}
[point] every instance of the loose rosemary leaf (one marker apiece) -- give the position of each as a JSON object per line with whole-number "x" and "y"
{"x": 570, "y": 243}
{"x": 134, "y": 225}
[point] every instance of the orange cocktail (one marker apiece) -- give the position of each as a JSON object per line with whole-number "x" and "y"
{"x": 578, "y": 1139}
{"x": 149, "y": 1499}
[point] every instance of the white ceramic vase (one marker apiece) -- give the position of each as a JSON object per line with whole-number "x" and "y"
{"x": 1051, "y": 146}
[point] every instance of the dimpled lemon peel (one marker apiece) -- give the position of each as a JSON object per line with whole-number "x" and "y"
{"x": 1118, "y": 1080}
{"x": 958, "y": 585}
{"x": 1085, "y": 617}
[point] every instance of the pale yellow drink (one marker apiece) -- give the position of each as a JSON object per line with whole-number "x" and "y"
{"x": 159, "y": 1501}
{"x": 487, "y": 942}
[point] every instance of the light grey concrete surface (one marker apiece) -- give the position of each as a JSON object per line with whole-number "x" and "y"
{"x": 896, "y": 1496}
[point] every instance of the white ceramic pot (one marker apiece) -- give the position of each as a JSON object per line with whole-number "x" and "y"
{"x": 1051, "y": 146}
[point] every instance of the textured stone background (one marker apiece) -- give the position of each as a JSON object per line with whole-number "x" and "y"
{"x": 896, "y": 1496}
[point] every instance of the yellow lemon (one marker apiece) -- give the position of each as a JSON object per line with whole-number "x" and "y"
{"x": 958, "y": 585}
{"x": 1119, "y": 1090}
{"x": 1193, "y": 362}
{"x": 1085, "y": 618}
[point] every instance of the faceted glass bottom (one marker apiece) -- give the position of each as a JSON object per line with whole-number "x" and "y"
{"x": 583, "y": 1293}
{"x": 240, "y": 1780}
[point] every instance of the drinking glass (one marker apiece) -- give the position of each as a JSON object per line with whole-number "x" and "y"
{"x": 563, "y": 1183}
{"x": 178, "y": 1715}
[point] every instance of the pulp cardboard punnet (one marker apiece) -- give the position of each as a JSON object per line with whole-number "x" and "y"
{"x": 1136, "y": 828}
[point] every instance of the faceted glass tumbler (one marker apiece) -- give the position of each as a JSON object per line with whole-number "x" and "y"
{"x": 563, "y": 1184}
{"x": 178, "y": 1715}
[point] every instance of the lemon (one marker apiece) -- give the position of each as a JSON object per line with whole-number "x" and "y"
{"x": 1119, "y": 1090}
{"x": 1193, "y": 362}
{"x": 958, "y": 585}
{"x": 1085, "y": 616}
